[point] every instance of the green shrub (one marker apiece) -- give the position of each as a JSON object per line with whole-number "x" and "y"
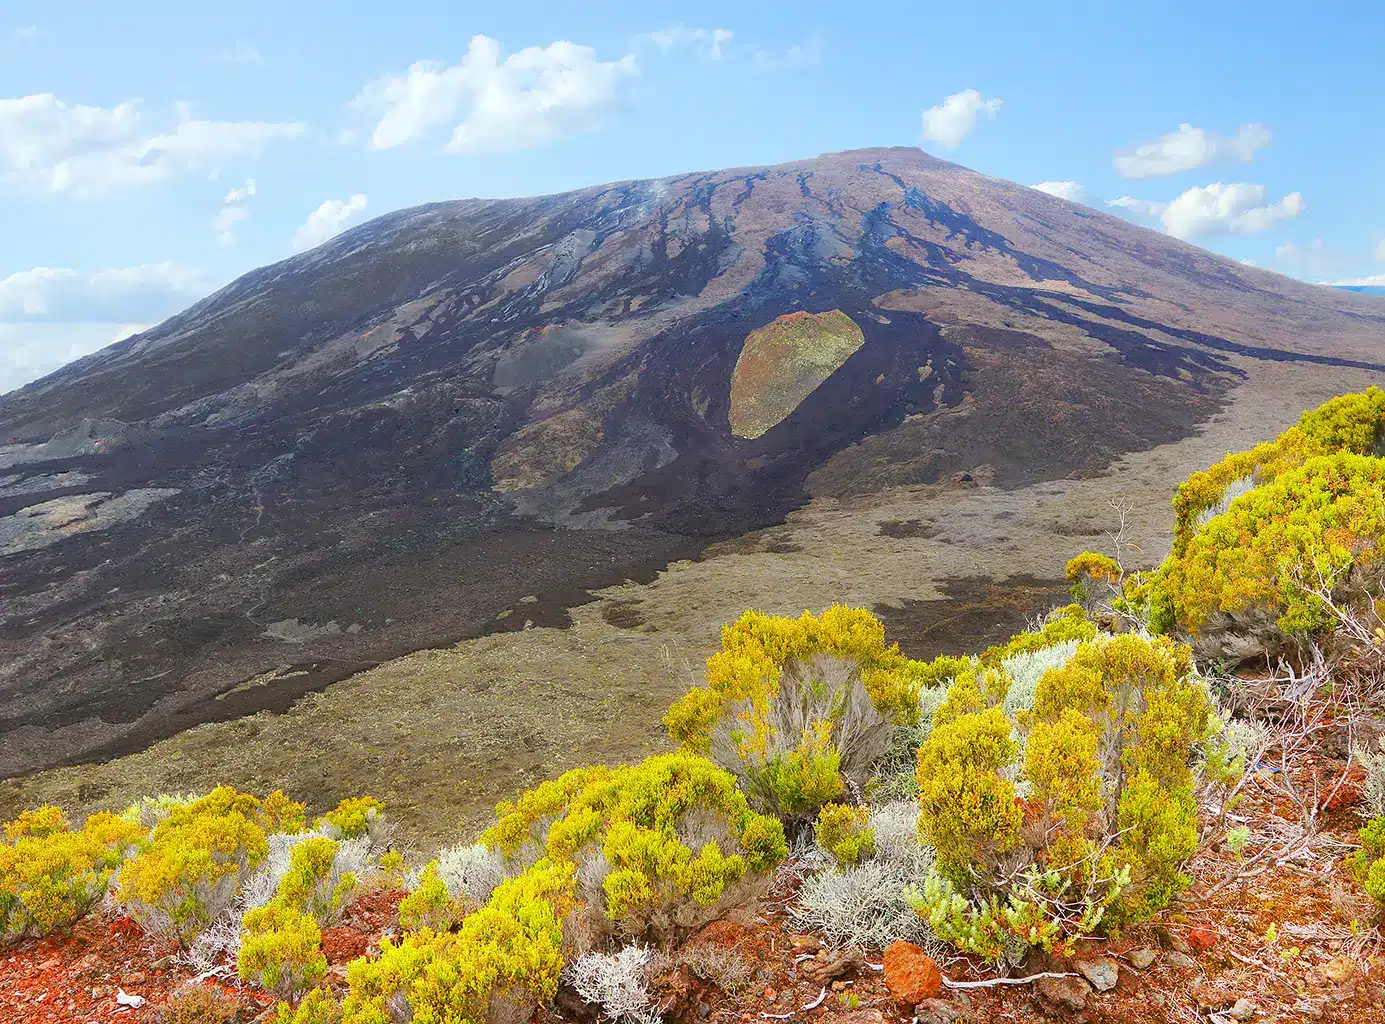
{"x": 845, "y": 833}
{"x": 1368, "y": 863}
{"x": 317, "y": 1007}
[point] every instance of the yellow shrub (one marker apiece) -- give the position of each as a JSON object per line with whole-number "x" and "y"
{"x": 511, "y": 949}
{"x": 281, "y": 949}
{"x": 429, "y": 906}
{"x": 1109, "y": 815}
{"x": 1309, "y": 524}
{"x": 353, "y": 817}
{"x": 311, "y": 885}
{"x": 1347, "y": 424}
{"x": 318, "y": 1007}
{"x": 50, "y": 875}
{"x": 631, "y": 815}
{"x": 195, "y": 861}
{"x": 755, "y": 649}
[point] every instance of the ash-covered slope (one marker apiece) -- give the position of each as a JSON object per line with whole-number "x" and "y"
{"x": 463, "y": 416}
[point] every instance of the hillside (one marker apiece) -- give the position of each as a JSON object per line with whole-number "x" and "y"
{"x": 469, "y": 418}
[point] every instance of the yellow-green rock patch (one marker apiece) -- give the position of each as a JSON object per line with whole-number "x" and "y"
{"x": 783, "y": 362}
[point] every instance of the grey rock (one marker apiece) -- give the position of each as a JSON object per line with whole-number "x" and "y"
{"x": 1142, "y": 958}
{"x": 1066, "y": 995}
{"x": 1102, "y": 973}
{"x": 1179, "y": 959}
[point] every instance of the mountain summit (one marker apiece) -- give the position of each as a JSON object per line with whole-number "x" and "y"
{"x": 464, "y": 416}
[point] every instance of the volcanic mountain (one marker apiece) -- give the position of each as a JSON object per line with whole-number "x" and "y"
{"x": 464, "y": 417}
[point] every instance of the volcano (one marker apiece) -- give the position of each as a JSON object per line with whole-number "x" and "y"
{"x": 463, "y": 418}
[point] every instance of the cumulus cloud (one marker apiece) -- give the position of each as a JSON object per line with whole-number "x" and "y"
{"x": 1217, "y": 209}
{"x": 1373, "y": 281}
{"x": 1070, "y": 190}
{"x": 534, "y": 96}
{"x": 709, "y": 42}
{"x": 1189, "y": 148}
{"x": 1238, "y": 208}
{"x": 24, "y": 35}
{"x": 953, "y": 119}
{"x": 234, "y": 209}
{"x": 142, "y": 293}
{"x": 798, "y": 55}
{"x": 57, "y": 146}
{"x": 326, "y": 221}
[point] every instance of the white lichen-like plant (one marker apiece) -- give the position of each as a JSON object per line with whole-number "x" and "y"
{"x": 1026, "y": 669}
{"x": 868, "y": 905}
{"x": 471, "y": 872}
{"x": 618, "y": 983}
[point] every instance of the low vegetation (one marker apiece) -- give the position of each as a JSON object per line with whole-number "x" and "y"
{"x": 1052, "y": 788}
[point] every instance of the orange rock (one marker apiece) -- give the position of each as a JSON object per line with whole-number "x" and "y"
{"x": 1202, "y": 937}
{"x": 910, "y": 974}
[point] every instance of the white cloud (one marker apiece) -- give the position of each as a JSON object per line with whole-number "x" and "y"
{"x": 1373, "y": 281}
{"x": 952, "y": 120}
{"x": 709, "y": 42}
{"x": 1217, "y": 208}
{"x": 1238, "y": 208}
{"x": 52, "y": 315}
{"x": 31, "y": 350}
{"x": 57, "y": 146}
{"x": 1189, "y": 148}
{"x": 240, "y": 53}
{"x": 234, "y": 209}
{"x": 150, "y": 291}
{"x": 1070, "y": 190}
{"x": 326, "y": 221}
{"x": 1144, "y": 207}
{"x": 799, "y": 55}
{"x": 1380, "y": 252}
{"x": 25, "y": 35}
{"x": 532, "y": 97}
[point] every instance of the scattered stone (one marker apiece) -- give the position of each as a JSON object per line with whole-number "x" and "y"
{"x": 805, "y": 943}
{"x": 1180, "y": 959}
{"x": 1142, "y": 958}
{"x": 1242, "y": 1009}
{"x": 860, "y": 1017}
{"x": 910, "y": 974}
{"x": 1337, "y": 969}
{"x": 1102, "y": 973}
{"x": 938, "y": 1011}
{"x": 1066, "y": 995}
{"x": 824, "y": 968}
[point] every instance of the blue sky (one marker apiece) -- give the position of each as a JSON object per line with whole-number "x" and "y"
{"x": 131, "y": 134}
